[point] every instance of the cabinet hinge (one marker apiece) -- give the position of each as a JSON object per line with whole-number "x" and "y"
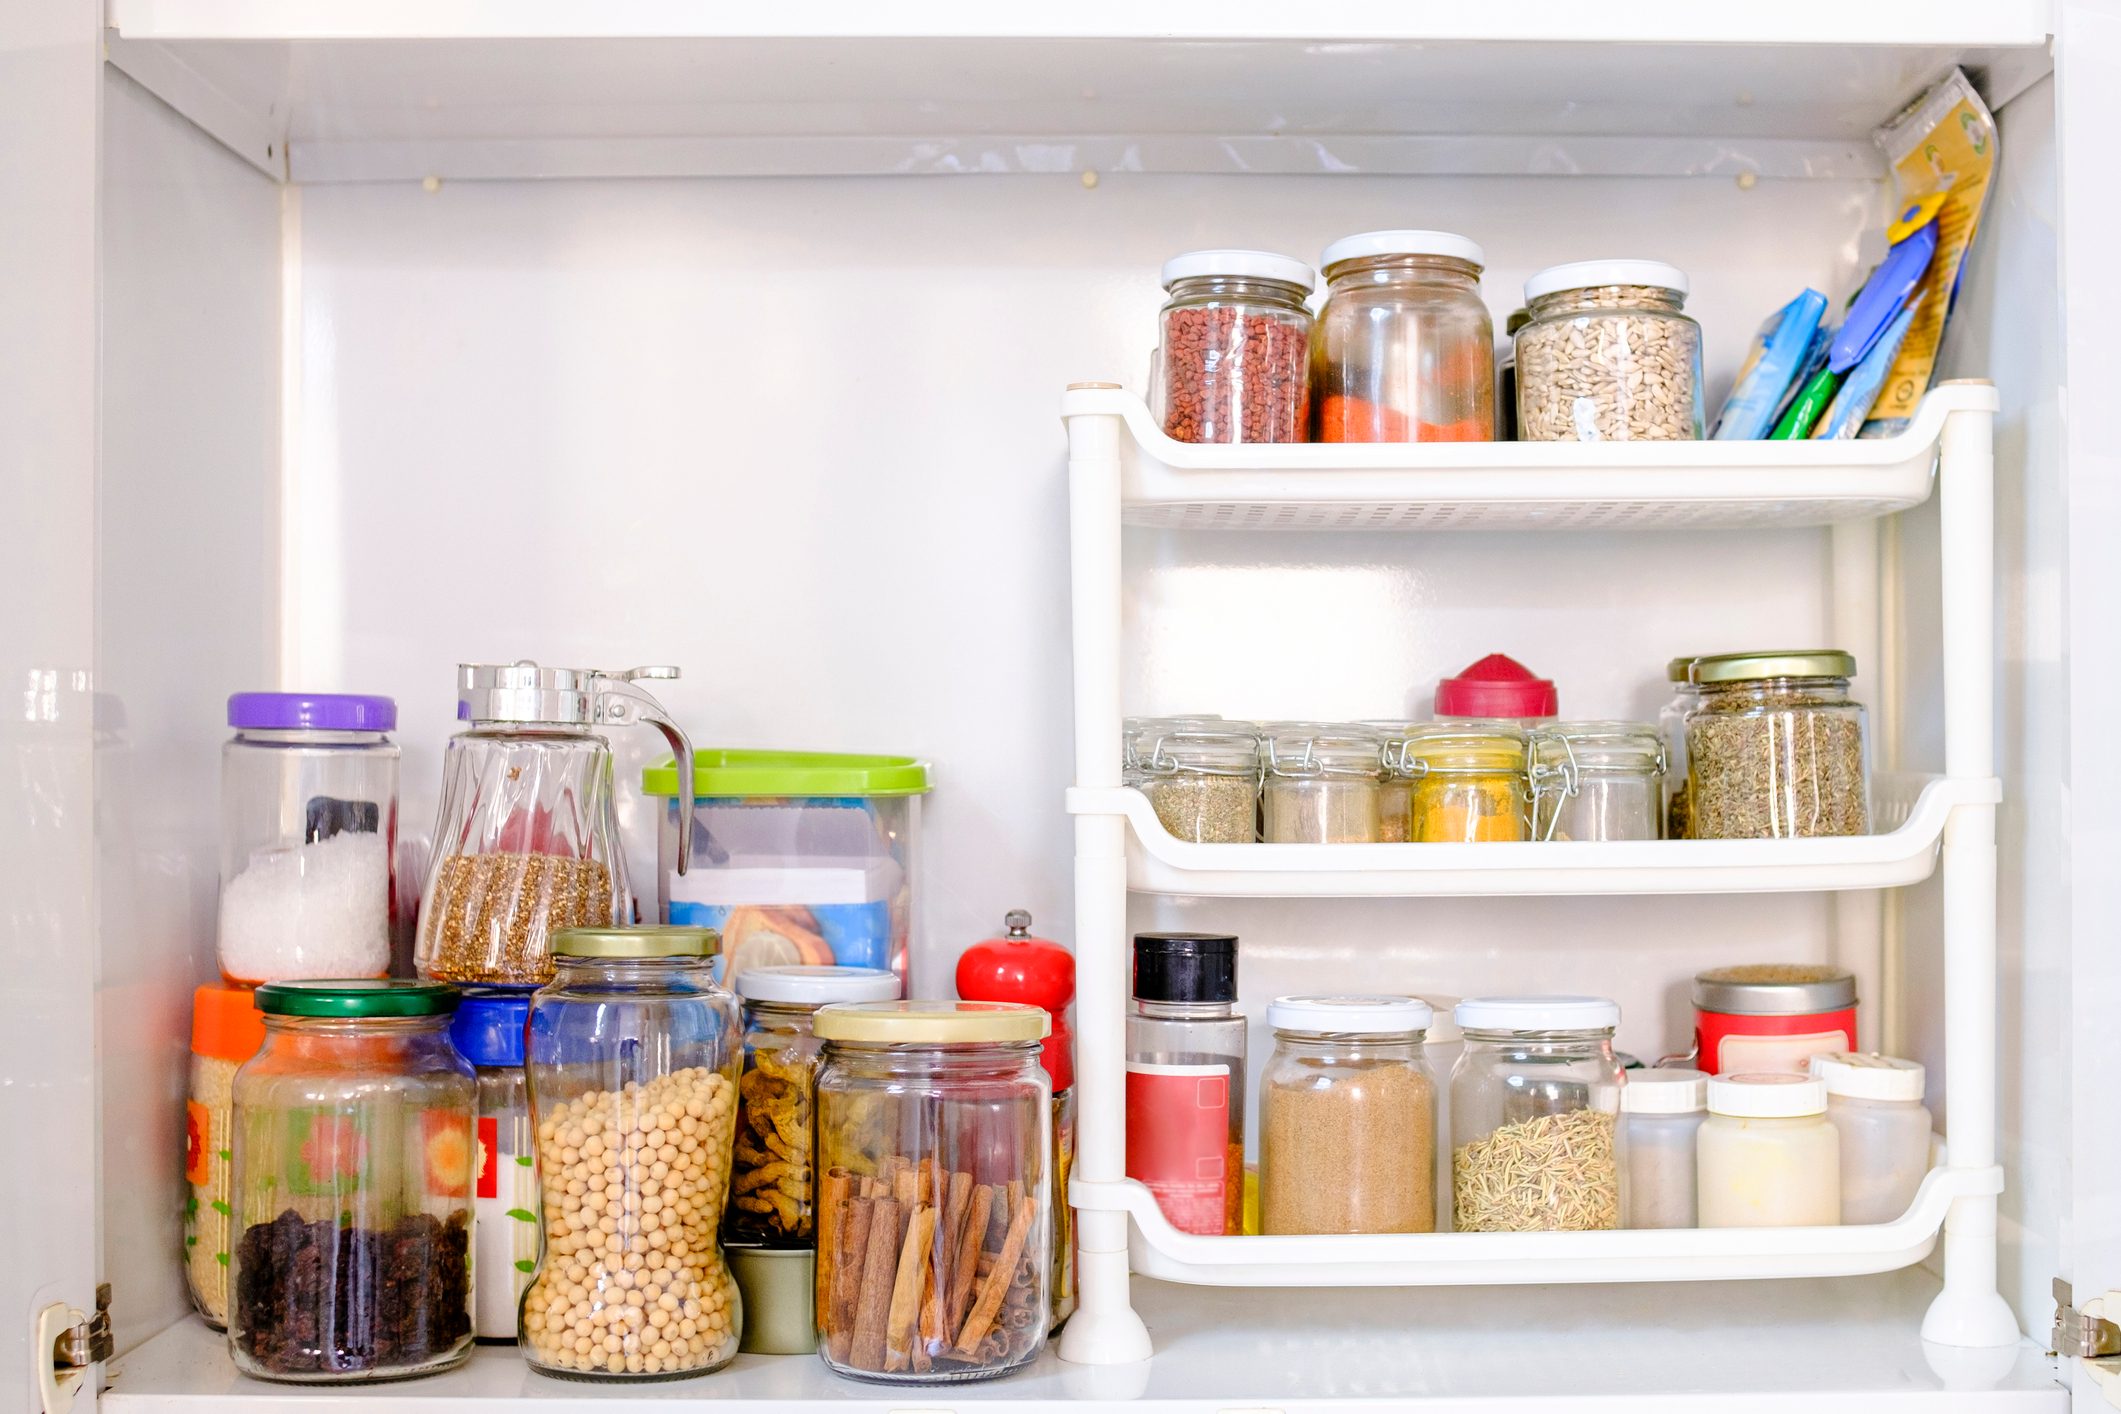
{"x": 78, "y": 1342}
{"x": 2079, "y": 1334}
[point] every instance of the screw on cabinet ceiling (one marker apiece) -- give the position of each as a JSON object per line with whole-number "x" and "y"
{"x": 1089, "y": 180}
{"x": 431, "y": 184}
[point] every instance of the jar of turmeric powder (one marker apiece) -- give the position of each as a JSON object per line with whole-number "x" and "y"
{"x": 1469, "y": 783}
{"x": 771, "y": 1174}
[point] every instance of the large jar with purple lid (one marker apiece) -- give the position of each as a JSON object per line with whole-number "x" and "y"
{"x": 309, "y": 830}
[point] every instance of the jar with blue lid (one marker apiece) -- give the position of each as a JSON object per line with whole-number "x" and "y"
{"x": 488, "y": 1031}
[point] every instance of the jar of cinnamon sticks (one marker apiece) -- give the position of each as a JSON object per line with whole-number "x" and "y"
{"x": 934, "y": 1154}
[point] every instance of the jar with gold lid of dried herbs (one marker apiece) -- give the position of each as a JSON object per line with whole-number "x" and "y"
{"x": 1775, "y": 747}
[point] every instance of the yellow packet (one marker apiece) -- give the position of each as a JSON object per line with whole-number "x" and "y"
{"x": 1942, "y": 148}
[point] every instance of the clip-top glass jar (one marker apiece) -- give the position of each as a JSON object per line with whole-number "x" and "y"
{"x": 527, "y": 839}
{"x": 309, "y": 830}
{"x": 1404, "y": 350}
{"x": 1536, "y": 1143}
{"x": 633, "y": 1053}
{"x": 1236, "y": 335}
{"x": 352, "y": 1188}
{"x": 1468, "y": 783}
{"x": 935, "y": 1160}
{"x": 1597, "y": 781}
{"x": 1608, "y": 356}
{"x": 773, "y": 1180}
{"x": 1776, "y": 749}
{"x": 1321, "y": 785}
{"x": 1202, "y": 782}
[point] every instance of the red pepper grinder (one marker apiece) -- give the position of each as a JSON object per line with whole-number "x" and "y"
{"x": 1020, "y": 968}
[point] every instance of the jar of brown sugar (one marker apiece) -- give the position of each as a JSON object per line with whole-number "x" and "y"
{"x": 1236, "y": 335}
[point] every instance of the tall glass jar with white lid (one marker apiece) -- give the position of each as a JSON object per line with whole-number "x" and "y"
{"x": 1608, "y": 355}
{"x": 309, "y": 829}
{"x": 1236, "y": 334}
{"x": 1768, "y": 1156}
{"x": 1404, "y": 349}
{"x": 1321, "y": 786}
{"x": 1597, "y": 781}
{"x": 1875, "y": 1105}
{"x": 1536, "y": 1144}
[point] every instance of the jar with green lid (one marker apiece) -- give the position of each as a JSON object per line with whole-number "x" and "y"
{"x": 1776, "y": 749}
{"x": 935, "y": 1160}
{"x": 352, "y": 1186}
{"x": 1597, "y": 781}
{"x": 1321, "y": 786}
{"x": 1469, "y": 783}
{"x": 1671, "y": 728}
{"x": 1202, "y": 780}
{"x": 632, "y": 1054}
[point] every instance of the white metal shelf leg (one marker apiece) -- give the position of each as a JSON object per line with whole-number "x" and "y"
{"x": 1969, "y": 1311}
{"x": 1104, "y": 1329}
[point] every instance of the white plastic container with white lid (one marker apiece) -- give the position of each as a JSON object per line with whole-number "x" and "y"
{"x": 1767, "y": 1155}
{"x": 1875, "y": 1104}
{"x": 1661, "y": 1115}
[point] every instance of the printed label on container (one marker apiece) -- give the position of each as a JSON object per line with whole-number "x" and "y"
{"x": 1178, "y": 1141}
{"x": 504, "y": 1225}
{"x": 1754, "y": 1055}
{"x": 198, "y": 1143}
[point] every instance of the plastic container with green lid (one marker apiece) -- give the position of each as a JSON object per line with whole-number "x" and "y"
{"x": 799, "y": 857}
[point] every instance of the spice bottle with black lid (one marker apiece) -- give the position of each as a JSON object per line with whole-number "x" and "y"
{"x": 1186, "y": 1080}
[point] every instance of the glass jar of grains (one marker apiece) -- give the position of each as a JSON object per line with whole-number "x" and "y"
{"x": 1349, "y": 1114}
{"x": 226, "y": 1030}
{"x": 1597, "y": 781}
{"x": 632, "y": 1054}
{"x": 1404, "y": 350}
{"x": 1468, "y": 783}
{"x": 1535, "y": 1110}
{"x": 935, "y": 1154}
{"x": 1608, "y": 356}
{"x": 1202, "y": 783}
{"x": 1775, "y": 747}
{"x": 1236, "y": 333}
{"x": 1321, "y": 786}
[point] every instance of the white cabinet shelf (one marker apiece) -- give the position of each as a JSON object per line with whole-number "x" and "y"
{"x": 1522, "y": 485}
{"x": 1914, "y": 810}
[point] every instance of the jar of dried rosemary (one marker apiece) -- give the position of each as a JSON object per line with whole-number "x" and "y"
{"x": 1775, "y": 748}
{"x": 1202, "y": 779}
{"x": 1536, "y": 1144}
{"x": 1321, "y": 786}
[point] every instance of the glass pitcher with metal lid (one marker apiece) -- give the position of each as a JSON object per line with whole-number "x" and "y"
{"x": 527, "y": 841}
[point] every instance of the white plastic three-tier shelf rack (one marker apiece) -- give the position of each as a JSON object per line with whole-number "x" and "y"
{"x": 1124, "y": 471}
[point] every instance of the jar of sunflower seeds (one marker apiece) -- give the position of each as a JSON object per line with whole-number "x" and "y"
{"x": 1607, "y": 355}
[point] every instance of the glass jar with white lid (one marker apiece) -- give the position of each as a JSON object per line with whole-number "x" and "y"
{"x": 1236, "y": 333}
{"x": 1608, "y": 355}
{"x": 1768, "y": 1157}
{"x": 1597, "y": 781}
{"x": 1536, "y": 1143}
{"x": 1875, "y": 1105}
{"x": 1320, "y": 786}
{"x": 1404, "y": 348}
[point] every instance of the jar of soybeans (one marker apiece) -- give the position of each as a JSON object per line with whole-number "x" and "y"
{"x": 1597, "y": 781}
{"x": 632, "y": 1054}
{"x": 1468, "y": 783}
{"x": 1202, "y": 780}
{"x": 1404, "y": 350}
{"x": 934, "y": 1163}
{"x": 1236, "y": 333}
{"x": 1535, "y": 1116}
{"x": 1321, "y": 786}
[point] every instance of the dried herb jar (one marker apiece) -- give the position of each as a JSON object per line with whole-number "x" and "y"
{"x": 1404, "y": 350}
{"x": 1321, "y": 787}
{"x": 1536, "y": 1144}
{"x": 1608, "y": 355}
{"x": 1775, "y": 748}
{"x": 935, "y": 1160}
{"x": 632, "y": 1055}
{"x": 352, "y": 1186}
{"x": 1597, "y": 781}
{"x": 1468, "y": 783}
{"x": 1202, "y": 783}
{"x": 1236, "y": 333}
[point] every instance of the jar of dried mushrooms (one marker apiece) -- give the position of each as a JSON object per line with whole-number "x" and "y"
{"x": 1536, "y": 1143}
{"x": 1201, "y": 778}
{"x": 1775, "y": 748}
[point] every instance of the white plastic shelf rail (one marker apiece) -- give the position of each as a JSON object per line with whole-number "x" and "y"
{"x": 1122, "y": 470}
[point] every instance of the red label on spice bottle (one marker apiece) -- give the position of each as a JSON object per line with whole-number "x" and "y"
{"x": 1178, "y": 1141}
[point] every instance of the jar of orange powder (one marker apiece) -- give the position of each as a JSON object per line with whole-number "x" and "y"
{"x": 1403, "y": 350}
{"x": 1467, "y": 783}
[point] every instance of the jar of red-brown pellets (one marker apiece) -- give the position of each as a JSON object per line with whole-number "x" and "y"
{"x": 1236, "y": 336}
{"x": 632, "y": 1057}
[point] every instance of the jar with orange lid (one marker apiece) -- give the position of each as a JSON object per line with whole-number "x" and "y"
{"x": 226, "y": 1030}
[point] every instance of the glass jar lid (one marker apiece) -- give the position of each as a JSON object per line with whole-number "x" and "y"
{"x": 1571, "y": 747}
{"x": 1677, "y": 669}
{"x": 931, "y": 1023}
{"x": 1338, "y": 750}
{"x": 1239, "y": 265}
{"x": 1370, "y": 244}
{"x": 651, "y": 940}
{"x": 1665, "y": 1092}
{"x": 358, "y": 997}
{"x": 817, "y": 985}
{"x": 1444, "y": 747}
{"x": 1350, "y": 1015}
{"x": 311, "y": 711}
{"x": 1787, "y": 663}
{"x": 1537, "y": 1014}
{"x": 1223, "y": 750}
{"x": 1597, "y": 274}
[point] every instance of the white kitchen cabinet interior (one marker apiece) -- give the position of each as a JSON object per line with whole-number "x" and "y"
{"x": 426, "y": 333}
